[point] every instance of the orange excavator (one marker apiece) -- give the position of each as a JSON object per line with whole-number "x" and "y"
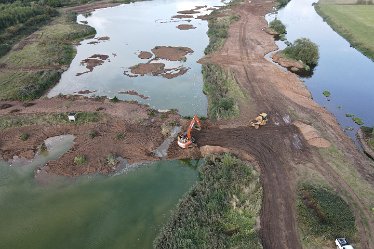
{"x": 185, "y": 140}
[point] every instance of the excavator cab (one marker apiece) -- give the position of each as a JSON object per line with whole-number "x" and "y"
{"x": 185, "y": 139}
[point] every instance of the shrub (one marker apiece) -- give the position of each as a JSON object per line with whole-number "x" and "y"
{"x": 24, "y": 136}
{"x": 278, "y": 26}
{"x": 305, "y": 50}
{"x": 80, "y": 159}
{"x": 92, "y": 134}
{"x": 111, "y": 160}
{"x": 120, "y": 136}
{"x": 114, "y": 99}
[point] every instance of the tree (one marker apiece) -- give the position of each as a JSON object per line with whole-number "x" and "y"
{"x": 278, "y": 26}
{"x": 305, "y": 50}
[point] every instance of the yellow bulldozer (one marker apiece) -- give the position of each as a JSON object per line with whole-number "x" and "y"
{"x": 260, "y": 120}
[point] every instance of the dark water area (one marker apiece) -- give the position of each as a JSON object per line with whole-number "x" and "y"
{"x": 342, "y": 70}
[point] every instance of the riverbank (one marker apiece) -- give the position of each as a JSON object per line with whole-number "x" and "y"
{"x": 36, "y": 62}
{"x": 352, "y": 21}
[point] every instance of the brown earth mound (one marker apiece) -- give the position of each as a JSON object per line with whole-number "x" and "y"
{"x": 290, "y": 64}
{"x": 185, "y": 27}
{"x": 171, "y": 53}
{"x": 148, "y": 68}
{"x": 311, "y": 135}
{"x": 145, "y": 55}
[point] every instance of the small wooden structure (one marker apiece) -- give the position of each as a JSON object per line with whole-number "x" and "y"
{"x": 72, "y": 116}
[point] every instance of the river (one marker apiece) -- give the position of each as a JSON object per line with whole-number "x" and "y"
{"x": 342, "y": 70}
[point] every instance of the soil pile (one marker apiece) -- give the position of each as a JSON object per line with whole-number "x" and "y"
{"x": 93, "y": 61}
{"x": 171, "y": 53}
{"x": 185, "y": 27}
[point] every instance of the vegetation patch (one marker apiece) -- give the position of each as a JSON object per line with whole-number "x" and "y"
{"x": 323, "y": 215}
{"x": 304, "y": 50}
{"x": 223, "y": 92}
{"x": 358, "y": 120}
{"x": 11, "y": 121}
{"x": 326, "y": 93}
{"x": 277, "y": 26}
{"x": 352, "y": 21}
{"x": 218, "y": 24}
{"x": 282, "y": 3}
{"x": 28, "y": 72}
{"x": 80, "y": 160}
{"x": 369, "y": 135}
{"x": 220, "y": 211}
{"x": 24, "y": 136}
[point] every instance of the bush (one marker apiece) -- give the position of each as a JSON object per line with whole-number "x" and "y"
{"x": 111, "y": 160}
{"x": 278, "y": 26}
{"x": 120, "y": 136}
{"x": 80, "y": 159}
{"x": 282, "y": 3}
{"x": 92, "y": 134}
{"x": 305, "y": 50}
{"x": 24, "y": 136}
{"x": 324, "y": 214}
{"x": 114, "y": 99}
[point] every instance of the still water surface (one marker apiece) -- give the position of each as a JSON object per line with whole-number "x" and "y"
{"x": 121, "y": 211}
{"x": 342, "y": 70}
{"x": 137, "y": 27}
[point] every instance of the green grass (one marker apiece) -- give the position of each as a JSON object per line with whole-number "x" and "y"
{"x": 223, "y": 92}
{"x": 36, "y": 67}
{"x": 369, "y": 134}
{"x": 80, "y": 160}
{"x": 358, "y": 120}
{"x": 218, "y": 24}
{"x": 11, "y": 121}
{"x": 220, "y": 211}
{"x": 354, "y": 22}
{"x": 323, "y": 215}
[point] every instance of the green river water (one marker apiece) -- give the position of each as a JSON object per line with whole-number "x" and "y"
{"x": 126, "y": 210}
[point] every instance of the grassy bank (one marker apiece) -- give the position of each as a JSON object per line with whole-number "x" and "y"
{"x": 369, "y": 134}
{"x": 223, "y": 92}
{"x": 220, "y": 211}
{"x": 353, "y": 22}
{"x": 36, "y": 66}
{"x": 323, "y": 216}
{"x": 11, "y": 121}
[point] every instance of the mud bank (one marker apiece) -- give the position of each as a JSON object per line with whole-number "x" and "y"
{"x": 126, "y": 130}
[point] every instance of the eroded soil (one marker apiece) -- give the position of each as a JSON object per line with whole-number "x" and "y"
{"x": 185, "y": 27}
{"x": 125, "y": 129}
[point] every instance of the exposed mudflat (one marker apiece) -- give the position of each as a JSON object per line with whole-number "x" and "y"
{"x": 92, "y": 62}
{"x": 185, "y": 27}
{"x": 145, "y": 55}
{"x": 134, "y": 93}
{"x": 140, "y": 133}
{"x": 171, "y": 53}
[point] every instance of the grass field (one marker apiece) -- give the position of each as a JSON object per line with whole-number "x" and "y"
{"x": 354, "y": 22}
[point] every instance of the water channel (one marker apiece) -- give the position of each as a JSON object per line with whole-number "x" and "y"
{"x": 136, "y": 27}
{"x": 120, "y": 211}
{"x": 342, "y": 70}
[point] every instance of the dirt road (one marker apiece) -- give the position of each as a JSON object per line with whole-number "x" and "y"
{"x": 281, "y": 151}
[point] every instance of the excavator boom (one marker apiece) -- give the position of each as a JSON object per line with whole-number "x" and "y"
{"x": 185, "y": 139}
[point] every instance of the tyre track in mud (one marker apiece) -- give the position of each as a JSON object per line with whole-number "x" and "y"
{"x": 272, "y": 147}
